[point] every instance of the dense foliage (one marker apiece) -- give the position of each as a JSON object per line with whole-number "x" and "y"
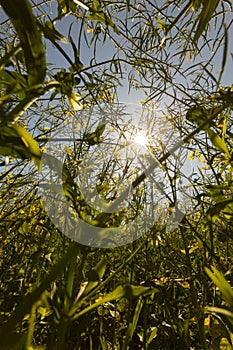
{"x": 170, "y": 289}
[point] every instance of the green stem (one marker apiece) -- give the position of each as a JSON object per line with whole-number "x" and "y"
{"x": 31, "y": 327}
{"x": 32, "y": 95}
{"x": 194, "y": 298}
{"x": 25, "y": 306}
{"x": 61, "y": 334}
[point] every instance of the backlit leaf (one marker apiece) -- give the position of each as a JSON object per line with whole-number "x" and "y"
{"x": 218, "y": 142}
{"x": 30, "y": 143}
{"x": 205, "y": 16}
{"x": 16, "y": 141}
{"x": 75, "y": 103}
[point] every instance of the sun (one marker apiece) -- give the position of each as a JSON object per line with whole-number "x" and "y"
{"x": 140, "y": 138}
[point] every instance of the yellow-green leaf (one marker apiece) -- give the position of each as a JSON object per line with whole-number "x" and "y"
{"x": 75, "y": 103}
{"x": 218, "y": 142}
{"x": 17, "y": 142}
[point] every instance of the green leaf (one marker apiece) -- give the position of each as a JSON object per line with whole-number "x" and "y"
{"x": 13, "y": 51}
{"x": 30, "y": 143}
{"x": 51, "y": 33}
{"x": 220, "y": 281}
{"x": 17, "y": 142}
{"x": 200, "y": 115}
{"x": 97, "y": 272}
{"x": 11, "y": 144}
{"x": 8, "y": 77}
{"x": 94, "y": 276}
{"x": 13, "y": 82}
{"x": 218, "y": 142}
{"x": 100, "y": 129}
{"x": 196, "y": 114}
{"x": 132, "y": 325}
{"x": 127, "y": 291}
{"x": 97, "y": 14}
{"x": 220, "y": 206}
{"x": 225, "y": 51}
{"x": 154, "y": 332}
{"x": 26, "y": 303}
{"x": 94, "y": 138}
{"x": 21, "y": 16}
{"x": 65, "y": 6}
{"x": 205, "y": 16}
{"x": 219, "y": 310}
{"x": 100, "y": 268}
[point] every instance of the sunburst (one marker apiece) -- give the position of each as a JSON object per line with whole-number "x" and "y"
{"x": 140, "y": 138}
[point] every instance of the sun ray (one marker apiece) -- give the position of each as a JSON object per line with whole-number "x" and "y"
{"x": 141, "y": 138}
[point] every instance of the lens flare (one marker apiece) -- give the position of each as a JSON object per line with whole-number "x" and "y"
{"x": 141, "y": 138}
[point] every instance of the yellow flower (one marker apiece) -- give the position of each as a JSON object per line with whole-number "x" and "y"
{"x": 200, "y": 158}
{"x": 191, "y": 156}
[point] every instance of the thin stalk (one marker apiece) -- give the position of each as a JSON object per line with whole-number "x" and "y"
{"x": 194, "y": 298}
{"x": 32, "y": 95}
{"x": 31, "y": 326}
